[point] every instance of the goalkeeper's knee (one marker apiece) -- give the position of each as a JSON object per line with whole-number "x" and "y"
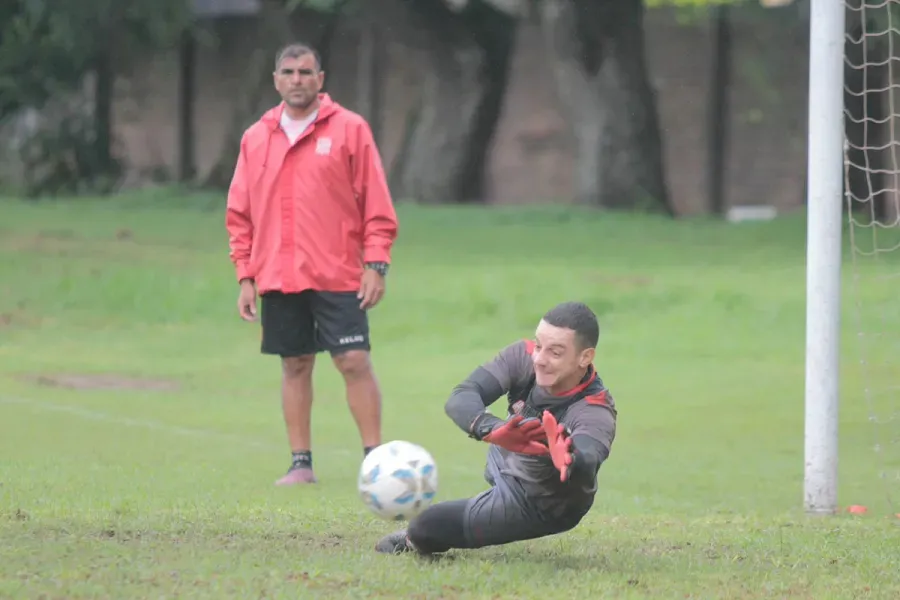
{"x": 439, "y": 528}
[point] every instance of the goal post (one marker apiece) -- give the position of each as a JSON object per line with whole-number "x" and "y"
{"x": 825, "y": 206}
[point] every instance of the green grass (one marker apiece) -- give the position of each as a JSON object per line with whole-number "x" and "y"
{"x": 168, "y": 493}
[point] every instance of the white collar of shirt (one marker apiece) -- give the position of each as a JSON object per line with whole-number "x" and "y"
{"x": 294, "y": 128}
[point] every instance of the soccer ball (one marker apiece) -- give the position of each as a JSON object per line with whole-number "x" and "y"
{"x": 398, "y": 480}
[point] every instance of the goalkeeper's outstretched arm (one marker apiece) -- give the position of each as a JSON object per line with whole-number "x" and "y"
{"x": 593, "y": 430}
{"x": 588, "y": 454}
{"x": 470, "y": 398}
{"x": 510, "y": 368}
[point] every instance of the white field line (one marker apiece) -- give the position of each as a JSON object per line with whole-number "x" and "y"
{"x": 190, "y": 432}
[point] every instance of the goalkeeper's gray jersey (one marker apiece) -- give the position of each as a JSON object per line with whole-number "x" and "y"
{"x": 588, "y": 411}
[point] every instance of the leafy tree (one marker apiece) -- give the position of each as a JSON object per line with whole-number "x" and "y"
{"x": 48, "y": 48}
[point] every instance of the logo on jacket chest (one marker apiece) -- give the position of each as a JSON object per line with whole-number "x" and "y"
{"x": 323, "y": 146}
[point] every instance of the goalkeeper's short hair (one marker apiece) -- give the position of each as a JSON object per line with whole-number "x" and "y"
{"x": 578, "y": 317}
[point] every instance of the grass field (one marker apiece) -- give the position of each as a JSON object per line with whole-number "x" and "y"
{"x": 164, "y": 489}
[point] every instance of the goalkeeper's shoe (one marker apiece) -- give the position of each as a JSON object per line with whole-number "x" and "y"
{"x": 394, "y": 543}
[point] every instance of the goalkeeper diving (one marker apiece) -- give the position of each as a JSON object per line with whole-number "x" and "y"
{"x": 543, "y": 459}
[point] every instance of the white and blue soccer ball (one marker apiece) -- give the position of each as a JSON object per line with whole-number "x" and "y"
{"x": 398, "y": 480}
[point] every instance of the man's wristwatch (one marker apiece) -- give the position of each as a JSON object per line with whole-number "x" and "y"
{"x": 379, "y": 267}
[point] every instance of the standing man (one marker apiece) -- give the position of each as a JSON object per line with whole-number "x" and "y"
{"x": 311, "y": 225}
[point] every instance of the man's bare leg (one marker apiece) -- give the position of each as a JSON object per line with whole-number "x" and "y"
{"x": 363, "y": 395}
{"x": 296, "y": 404}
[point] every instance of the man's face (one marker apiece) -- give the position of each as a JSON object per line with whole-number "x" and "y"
{"x": 558, "y": 362}
{"x": 298, "y": 81}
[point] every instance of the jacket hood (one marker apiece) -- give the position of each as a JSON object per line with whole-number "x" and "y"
{"x": 327, "y": 107}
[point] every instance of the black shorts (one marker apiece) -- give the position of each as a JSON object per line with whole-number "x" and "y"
{"x": 312, "y": 322}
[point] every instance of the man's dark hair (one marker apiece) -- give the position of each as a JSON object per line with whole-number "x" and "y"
{"x": 577, "y": 317}
{"x": 296, "y": 50}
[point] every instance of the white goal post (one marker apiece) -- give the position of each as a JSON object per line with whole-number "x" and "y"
{"x": 825, "y": 209}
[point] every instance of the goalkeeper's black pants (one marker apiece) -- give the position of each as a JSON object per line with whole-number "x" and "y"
{"x": 439, "y": 527}
{"x": 481, "y": 521}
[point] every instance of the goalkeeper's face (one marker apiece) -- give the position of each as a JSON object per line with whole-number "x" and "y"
{"x": 559, "y": 360}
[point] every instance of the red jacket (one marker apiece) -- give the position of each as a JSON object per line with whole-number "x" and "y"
{"x": 308, "y": 216}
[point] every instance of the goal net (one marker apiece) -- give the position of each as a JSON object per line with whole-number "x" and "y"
{"x": 871, "y": 186}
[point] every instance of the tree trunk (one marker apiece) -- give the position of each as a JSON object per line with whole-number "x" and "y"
{"x": 273, "y": 29}
{"x": 495, "y": 33}
{"x": 103, "y": 163}
{"x": 187, "y": 99}
{"x": 604, "y": 87}
{"x": 372, "y": 66}
{"x": 443, "y": 157}
{"x": 428, "y": 167}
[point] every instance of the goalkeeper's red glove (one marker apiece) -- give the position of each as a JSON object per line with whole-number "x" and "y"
{"x": 560, "y": 445}
{"x": 516, "y": 434}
